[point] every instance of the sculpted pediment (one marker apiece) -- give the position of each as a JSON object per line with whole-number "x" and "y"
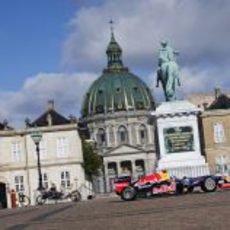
{"x": 123, "y": 149}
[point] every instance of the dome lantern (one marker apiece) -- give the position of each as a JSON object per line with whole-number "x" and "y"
{"x": 114, "y": 55}
{"x": 116, "y": 89}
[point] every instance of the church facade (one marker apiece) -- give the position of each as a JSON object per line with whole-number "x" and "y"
{"x": 116, "y": 109}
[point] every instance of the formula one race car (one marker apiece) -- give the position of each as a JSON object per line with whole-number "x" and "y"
{"x": 157, "y": 183}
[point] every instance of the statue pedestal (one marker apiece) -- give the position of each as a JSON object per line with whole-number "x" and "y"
{"x": 178, "y": 139}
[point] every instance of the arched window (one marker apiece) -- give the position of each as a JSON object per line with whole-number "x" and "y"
{"x": 122, "y": 135}
{"x": 143, "y": 134}
{"x": 101, "y": 137}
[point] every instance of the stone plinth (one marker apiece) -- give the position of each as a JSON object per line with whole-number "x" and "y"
{"x": 178, "y": 138}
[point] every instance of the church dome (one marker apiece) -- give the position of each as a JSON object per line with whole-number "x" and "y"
{"x": 116, "y": 89}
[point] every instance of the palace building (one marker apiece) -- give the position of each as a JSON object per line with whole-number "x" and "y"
{"x": 60, "y": 154}
{"x": 216, "y": 133}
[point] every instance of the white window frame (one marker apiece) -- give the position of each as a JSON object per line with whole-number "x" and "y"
{"x": 16, "y": 151}
{"x": 218, "y": 131}
{"x": 43, "y": 149}
{"x": 222, "y": 164}
{"x": 19, "y": 183}
{"x": 45, "y": 180}
{"x": 65, "y": 179}
{"x": 62, "y": 147}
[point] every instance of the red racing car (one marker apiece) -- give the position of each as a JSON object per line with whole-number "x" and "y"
{"x": 161, "y": 183}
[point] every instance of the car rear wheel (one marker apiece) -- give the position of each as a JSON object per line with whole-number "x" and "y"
{"x": 190, "y": 189}
{"x": 75, "y": 196}
{"x": 209, "y": 185}
{"x": 40, "y": 199}
{"x": 128, "y": 193}
{"x": 179, "y": 189}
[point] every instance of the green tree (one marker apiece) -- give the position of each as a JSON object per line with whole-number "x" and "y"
{"x": 92, "y": 161}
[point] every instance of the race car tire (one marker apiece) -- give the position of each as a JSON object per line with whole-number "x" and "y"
{"x": 40, "y": 199}
{"x": 179, "y": 189}
{"x": 190, "y": 189}
{"x": 129, "y": 193}
{"x": 209, "y": 185}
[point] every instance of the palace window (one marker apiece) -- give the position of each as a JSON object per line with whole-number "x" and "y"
{"x": 222, "y": 164}
{"x": 19, "y": 183}
{"x": 45, "y": 180}
{"x": 16, "y": 151}
{"x": 62, "y": 147}
{"x": 65, "y": 179}
{"x": 219, "y": 135}
{"x": 43, "y": 149}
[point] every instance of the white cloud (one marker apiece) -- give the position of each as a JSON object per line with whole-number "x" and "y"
{"x": 199, "y": 30}
{"x": 67, "y": 90}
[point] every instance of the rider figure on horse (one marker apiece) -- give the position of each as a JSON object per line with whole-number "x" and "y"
{"x": 168, "y": 73}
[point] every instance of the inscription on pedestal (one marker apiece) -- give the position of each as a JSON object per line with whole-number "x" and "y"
{"x": 178, "y": 139}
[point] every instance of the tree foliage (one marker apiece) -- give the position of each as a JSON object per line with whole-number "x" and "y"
{"x": 92, "y": 161}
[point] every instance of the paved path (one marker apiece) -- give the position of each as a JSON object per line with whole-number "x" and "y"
{"x": 194, "y": 211}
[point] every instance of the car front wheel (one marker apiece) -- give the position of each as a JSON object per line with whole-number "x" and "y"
{"x": 128, "y": 193}
{"x": 209, "y": 185}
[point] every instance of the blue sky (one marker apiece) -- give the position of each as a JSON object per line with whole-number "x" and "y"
{"x": 31, "y": 37}
{"x": 54, "y": 49}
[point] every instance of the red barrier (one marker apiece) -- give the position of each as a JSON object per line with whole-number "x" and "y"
{"x": 13, "y": 198}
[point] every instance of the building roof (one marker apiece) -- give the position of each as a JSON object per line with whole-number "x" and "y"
{"x": 50, "y": 117}
{"x": 221, "y": 102}
{"x": 116, "y": 89}
{"x": 4, "y": 126}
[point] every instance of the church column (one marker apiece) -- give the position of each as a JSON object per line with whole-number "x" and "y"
{"x": 118, "y": 168}
{"x": 137, "y": 134}
{"x": 115, "y": 135}
{"x": 107, "y": 130}
{"x": 134, "y": 169}
{"x": 147, "y": 166}
{"x": 150, "y": 134}
{"x": 129, "y": 129}
{"x": 106, "y": 176}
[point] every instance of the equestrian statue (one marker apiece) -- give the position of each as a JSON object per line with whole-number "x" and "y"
{"x": 168, "y": 71}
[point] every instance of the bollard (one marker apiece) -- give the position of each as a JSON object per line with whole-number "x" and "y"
{"x": 13, "y": 199}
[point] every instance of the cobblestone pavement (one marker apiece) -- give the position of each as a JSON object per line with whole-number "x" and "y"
{"x": 194, "y": 211}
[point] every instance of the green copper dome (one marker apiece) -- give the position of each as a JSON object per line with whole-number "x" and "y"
{"x": 117, "y": 89}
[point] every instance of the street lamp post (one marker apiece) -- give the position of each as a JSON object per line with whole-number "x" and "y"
{"x": 37, "y": 137}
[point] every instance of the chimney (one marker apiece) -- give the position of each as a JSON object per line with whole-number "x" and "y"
{"x": 5, "y": 124}
{"x": 50, "y": 105}
{"x": 217, "y": 92}
{"x": 27, "y": 122}
{"x": 49, "y": 119}
{"x": 205, "y": 105}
